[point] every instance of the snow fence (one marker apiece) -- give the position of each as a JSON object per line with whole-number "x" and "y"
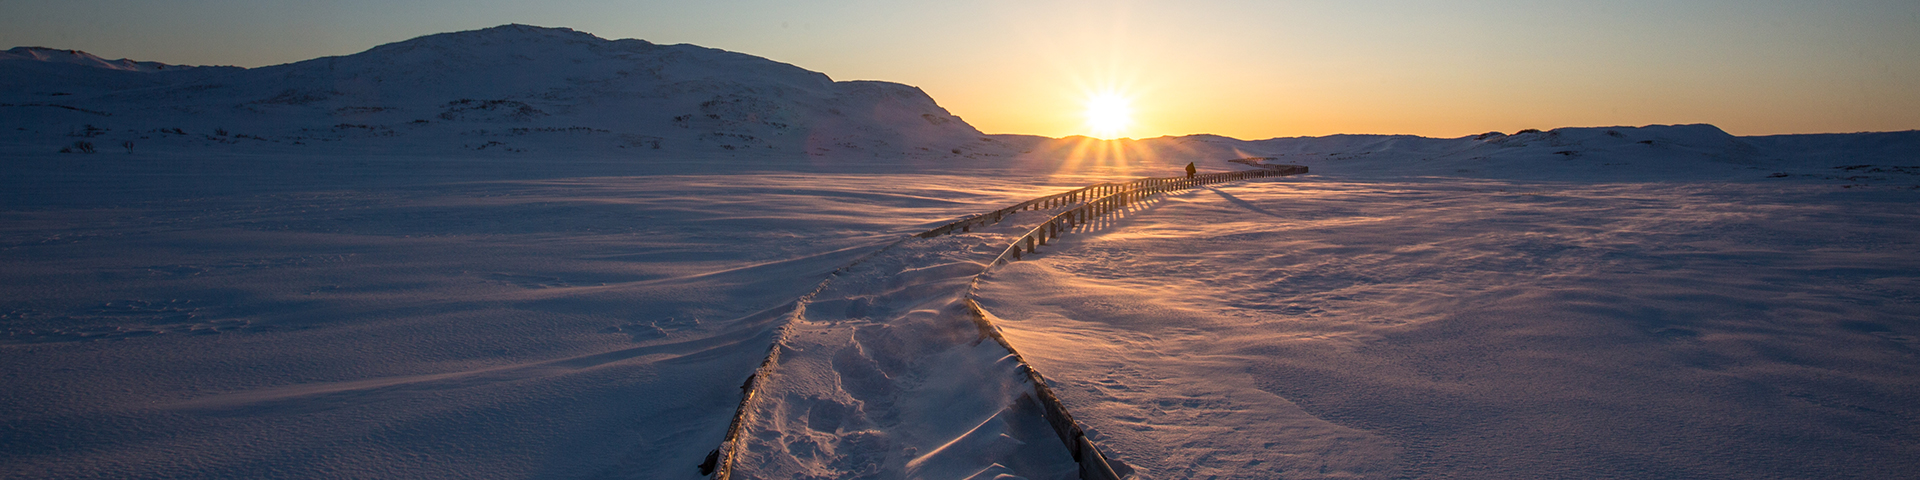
{"x": 1093, "y": 202}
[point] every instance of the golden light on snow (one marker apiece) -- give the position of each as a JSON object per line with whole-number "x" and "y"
{"x": 1108, "y": 114}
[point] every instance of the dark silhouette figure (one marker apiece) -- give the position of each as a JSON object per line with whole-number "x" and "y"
{"x": 1190, "y": 170}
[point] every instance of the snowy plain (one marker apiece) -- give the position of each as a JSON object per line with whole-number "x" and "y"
{"x": 423, "y": 262}
{"x": 456, "y": 327}
{"x": 1328, "y": 327}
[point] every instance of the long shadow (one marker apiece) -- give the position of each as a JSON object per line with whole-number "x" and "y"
{"x": 1112, "y": 220}
{"x": 1244, "y": 204}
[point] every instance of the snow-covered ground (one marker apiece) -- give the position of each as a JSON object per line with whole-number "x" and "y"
{"x": 524, "y": 252}
{"x": 407, "y": 317}
{"x": 883, "y": 374}
{"x": 455, "y": 317}
{"x": 1432, "y": 328}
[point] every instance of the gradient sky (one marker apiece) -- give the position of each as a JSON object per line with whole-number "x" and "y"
{"x": 1246, "y": 69}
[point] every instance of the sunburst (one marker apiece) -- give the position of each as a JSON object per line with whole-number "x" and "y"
{"x": 1109, "y": 114}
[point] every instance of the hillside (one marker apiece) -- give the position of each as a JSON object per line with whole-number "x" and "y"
{"x": 514, "y": 88}
{"x": 550, "y": 94}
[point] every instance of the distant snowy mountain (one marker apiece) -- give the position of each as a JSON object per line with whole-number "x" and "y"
{"x": 1653, "y": 152}
{"x": 76, "y": 57}
{"x": 512, "y": 88}
{"x": 551, "y": 93}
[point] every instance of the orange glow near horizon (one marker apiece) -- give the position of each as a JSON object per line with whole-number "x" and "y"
{"x": 1095, "y": 155}
{"x": 1082, "y": 155}
{"x": 1257, "y": 70}
{"x": 1242, "y": 69}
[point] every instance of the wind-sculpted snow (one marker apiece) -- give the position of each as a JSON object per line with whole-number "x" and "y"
{"x": 413, "y": 318}
{"x": 881, "y": 348}
{"x": 243, "y": 316}
{"x": 1488, "y": 329}
{"x": 883, "y": 375}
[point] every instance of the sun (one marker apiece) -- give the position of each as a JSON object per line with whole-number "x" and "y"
{"x": 1108, "y": 114}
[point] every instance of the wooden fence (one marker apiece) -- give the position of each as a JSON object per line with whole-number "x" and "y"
{"x": 1092, "y": 202}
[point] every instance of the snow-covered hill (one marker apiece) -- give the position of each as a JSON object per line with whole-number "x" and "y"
{"x": 76, "y": 57}
{"x": 513, "y": 88}
{"x": 1648, "y": 153}
{"x": 555, "y": 93}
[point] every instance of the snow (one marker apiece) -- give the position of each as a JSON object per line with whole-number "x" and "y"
{"x": 882, "y": 373}
{"x": 570, "y": 267}
{"x": 1488, "y": 329}
{"x": 424, "y": 326}
{"x": 76, "y": 57}
{"x": 503, "y": 90}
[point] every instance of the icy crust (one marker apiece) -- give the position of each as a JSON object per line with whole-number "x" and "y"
{"x": 884, "y": 374}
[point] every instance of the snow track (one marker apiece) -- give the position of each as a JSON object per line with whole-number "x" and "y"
{"x": 884, "y": 370}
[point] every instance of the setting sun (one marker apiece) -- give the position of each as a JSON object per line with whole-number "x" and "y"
{"x": 1108, "y": 115}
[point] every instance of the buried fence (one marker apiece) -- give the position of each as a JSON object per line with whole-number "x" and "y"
{"x": 1094, "y": 464}
{"x": 1098, "y": 192}
{"x": 1094, "y": 202}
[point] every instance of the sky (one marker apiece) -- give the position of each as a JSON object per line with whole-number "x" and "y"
{"x": 1245, "y": 69}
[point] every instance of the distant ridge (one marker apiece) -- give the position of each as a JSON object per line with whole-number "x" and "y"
{"x": 553, "y": 93}
{"x": 515, "y": 89}
{"x": 77, "y": 57}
